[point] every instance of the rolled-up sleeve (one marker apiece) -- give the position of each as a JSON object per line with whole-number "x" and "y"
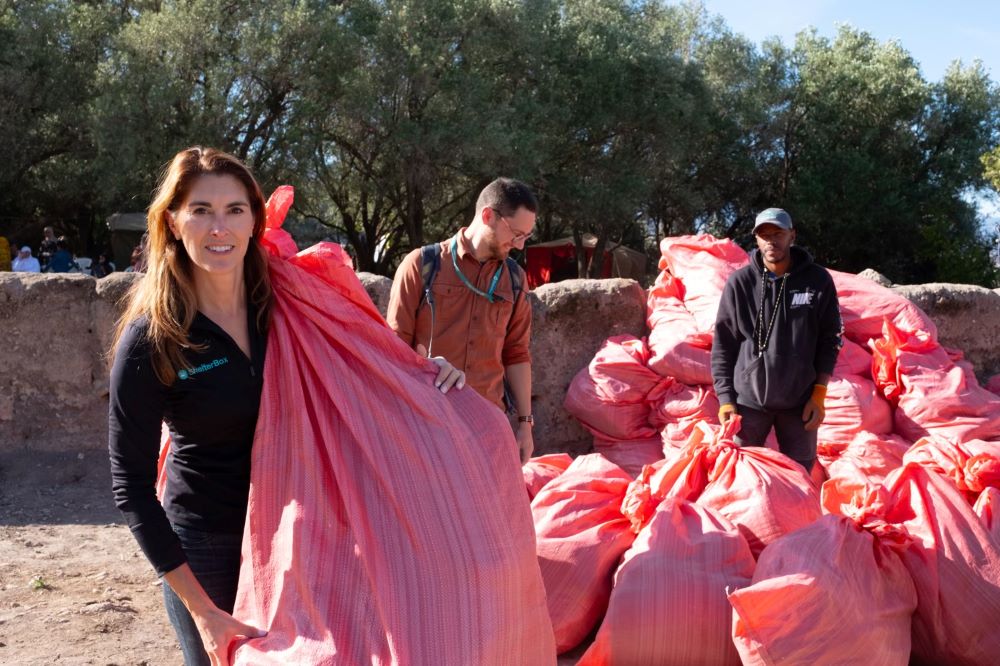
{"x": 516, "y": 347}
{"x": 404, "y": 298}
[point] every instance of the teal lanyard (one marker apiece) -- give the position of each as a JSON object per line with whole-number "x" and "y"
{"x": 488, "y": 295}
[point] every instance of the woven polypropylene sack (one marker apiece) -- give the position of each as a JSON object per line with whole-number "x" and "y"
{"x": 829, "y": 593}
{"x": 582, "y": 535}
{"x": 933, "y": 394}
{"x": 542, "y": 469}
{"x": 387, "y": 523}
{"x": 610, "y": 396}
{"x": 678, "y": 347}
{"x": 955, "y": 565}
{"x": 864, "y": 305}
{"x": 669, "y": 601}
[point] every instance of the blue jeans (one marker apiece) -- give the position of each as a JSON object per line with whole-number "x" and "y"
{"x": 215, "y": 560}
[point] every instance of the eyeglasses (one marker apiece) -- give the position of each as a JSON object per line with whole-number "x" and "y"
{"x": 518, "y": 237}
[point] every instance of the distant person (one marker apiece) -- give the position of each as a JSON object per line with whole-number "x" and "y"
{"x": 48, "y": 247}
{"x": 62, "y": 260}
{"x": 777, "y": 337}
{"x": 102, "y": 267}
{"x": 26, "y": 263}
{"x": 465, "y": 299}
{"x": 137, "y": 262}
{"x": 5, "y": 263}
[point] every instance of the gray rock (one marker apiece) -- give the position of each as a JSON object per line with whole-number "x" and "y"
{"x": 967, "y": 317}
{"x": 876, "y": 277}
{"x": 570, "y": 321}
{"x": 378, "y": 288}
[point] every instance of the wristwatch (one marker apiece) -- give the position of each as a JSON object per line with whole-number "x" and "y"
{"x": 526, "y": 419}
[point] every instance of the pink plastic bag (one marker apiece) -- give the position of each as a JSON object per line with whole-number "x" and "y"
{"x": 864, "y": 305}
{"x": 679, "y": 408}
{"x": 972, "y": 466}
{"x": 581, "y": 535}
{"x": 539, "y": 471}
{"x": 630, "y": 455}
{"x": 669, "y": 601}
{"x": 678, "y": 348}
{"x": 763, "y": 492}
{"x": 934, "y": 395}
{"x": 988, "y": 509}
{"x": 702, "y": 263}
{"x": 955, "y": 565}
{"x": 387, "y": 523}
{"x": 833, "y": 592}
{"x": 866, "y": 459}
{"x": 609, "y": 396}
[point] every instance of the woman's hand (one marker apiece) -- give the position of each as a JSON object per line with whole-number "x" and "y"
{"x": 448, "y": 375}
{"x": 217, "y": 628}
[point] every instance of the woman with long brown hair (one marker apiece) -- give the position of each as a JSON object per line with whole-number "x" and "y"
{"x": 189, "y": 351}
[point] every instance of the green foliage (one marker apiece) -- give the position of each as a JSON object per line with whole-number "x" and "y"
{"x": 630, "y": 119}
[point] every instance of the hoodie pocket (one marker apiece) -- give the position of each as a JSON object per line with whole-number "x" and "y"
{"x": 775, "y": 382}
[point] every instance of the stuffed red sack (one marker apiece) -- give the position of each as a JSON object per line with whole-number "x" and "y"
{"x": 988, "y": 509}
{"x": 387, "y": 522}
{"x": 763, "y": 492}
{"x": 678, "y": 348}
{"x": 955, "y": 565}
{"x": 702, "y": 263}
{"x": 679, "y": 408}
{"x": 630, "y": 454}
{"x": 853, "y": 402}
{"x": 866, "y": 459}
{"x": 582, "y": 535}
{"x": 864, "y": 305}
{"x": 542, "y": 469}
{"x": 932, "y": 393}
{"x": 669, "y": 603}
{"x": 972, "y": 466}
{"x": 833, "y": 592}
{"x": 609, "y": 396}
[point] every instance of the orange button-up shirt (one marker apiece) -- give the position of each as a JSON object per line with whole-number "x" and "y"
{"x": 476, "y": 336}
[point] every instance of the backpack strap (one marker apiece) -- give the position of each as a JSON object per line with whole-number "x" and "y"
{"x": 430, "y": 264}
{"x": 516, "y": 277}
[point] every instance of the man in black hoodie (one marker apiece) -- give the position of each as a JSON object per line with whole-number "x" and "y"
{"x": 777, "y": 335}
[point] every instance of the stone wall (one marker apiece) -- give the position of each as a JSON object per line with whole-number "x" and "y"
{"x": 56, "y": 330}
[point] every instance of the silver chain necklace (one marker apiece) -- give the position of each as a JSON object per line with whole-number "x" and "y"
{"x": 764, "y": 338}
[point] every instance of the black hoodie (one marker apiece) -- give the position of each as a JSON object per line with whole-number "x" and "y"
{"x": 804, "y": 338}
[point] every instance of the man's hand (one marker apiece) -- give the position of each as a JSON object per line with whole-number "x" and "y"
{"x": 726, "y": 412}
{"x": 814, "y": 411}
{"x": 448, "y": 375}
{"x": 525, "y": 441}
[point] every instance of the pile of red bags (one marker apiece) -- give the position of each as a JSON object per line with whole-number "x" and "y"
{"x": 900, "y": 561}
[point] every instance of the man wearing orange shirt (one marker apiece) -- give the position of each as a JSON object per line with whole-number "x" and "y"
{"x": 476, "y": 314}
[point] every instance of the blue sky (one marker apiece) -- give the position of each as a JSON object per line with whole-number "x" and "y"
{"x": 934, "y": 33}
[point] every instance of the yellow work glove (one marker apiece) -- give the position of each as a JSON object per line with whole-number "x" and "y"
{"x": 726, "y": 412}
{"x": 814, "y": 411}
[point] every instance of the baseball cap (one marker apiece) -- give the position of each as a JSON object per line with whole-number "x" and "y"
{"x": 775, "y": 216}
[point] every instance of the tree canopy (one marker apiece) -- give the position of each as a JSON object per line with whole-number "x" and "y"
{"x": 631, "y": 119}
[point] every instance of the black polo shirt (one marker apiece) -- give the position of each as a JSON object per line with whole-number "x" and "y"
{"x": 211, "y": 410}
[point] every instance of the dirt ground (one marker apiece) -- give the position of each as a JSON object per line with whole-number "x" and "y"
{"x": 74, "y": 586}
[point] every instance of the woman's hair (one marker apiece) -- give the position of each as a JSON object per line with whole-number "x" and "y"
{"x": 166, "y": 295}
